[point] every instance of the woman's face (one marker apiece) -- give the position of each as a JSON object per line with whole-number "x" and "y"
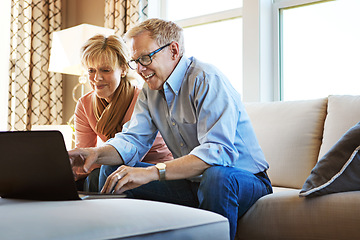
{"x": 104, "y": 80}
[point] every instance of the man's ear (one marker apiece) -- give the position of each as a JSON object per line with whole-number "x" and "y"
{"x": 174, "y": 49}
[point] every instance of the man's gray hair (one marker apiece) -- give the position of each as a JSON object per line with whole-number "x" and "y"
{"x": 163, "y": 32}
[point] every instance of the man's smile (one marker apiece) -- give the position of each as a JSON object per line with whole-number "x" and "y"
{"x": 147, "y": 76}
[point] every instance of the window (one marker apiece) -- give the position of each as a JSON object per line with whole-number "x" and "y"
{"x": 212, "y": 31}
{"x": 4, "y": 61}
{"x": 180, "y": 9}
{"x": 320, "y": 49}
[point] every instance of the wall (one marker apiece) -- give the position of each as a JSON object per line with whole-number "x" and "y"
{"x": 75, "y": 12}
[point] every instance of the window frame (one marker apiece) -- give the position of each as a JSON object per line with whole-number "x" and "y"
{"x": 279, "y": 5}
{"x": 262, "y": 44}
{"x": 257, "y": 55}
{"x": 201, "y": 19}
{"x": 210, "y": 18}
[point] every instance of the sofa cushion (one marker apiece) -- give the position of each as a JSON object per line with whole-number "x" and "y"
{"x": 343, "y": 113}
{"x": 290, "y": 135}
{"x": 285, "y": 215}
{"x": 339, "y": 169}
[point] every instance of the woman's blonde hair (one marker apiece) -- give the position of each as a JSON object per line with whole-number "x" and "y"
{"x": 163, "y": 32}
{"x": 113, "y": 51}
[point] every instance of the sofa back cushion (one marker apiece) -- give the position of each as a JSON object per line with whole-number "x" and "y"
{"x": 290, "y": 135}
{"x": 343, "y": 113}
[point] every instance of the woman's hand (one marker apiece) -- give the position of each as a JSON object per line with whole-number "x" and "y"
{"x": 126, "y": 178}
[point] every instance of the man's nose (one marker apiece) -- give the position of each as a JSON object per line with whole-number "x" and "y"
{"x": 140, "y": 68}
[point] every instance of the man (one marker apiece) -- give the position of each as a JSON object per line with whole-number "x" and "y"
{"x": 218, "y": 164}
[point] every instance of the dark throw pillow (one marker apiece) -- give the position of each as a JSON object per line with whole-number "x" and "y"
{"x": 338, "y": 170}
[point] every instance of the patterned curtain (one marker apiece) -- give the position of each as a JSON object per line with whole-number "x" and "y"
{"x": 35, "y": 95}
{"x": 121, "y": 15}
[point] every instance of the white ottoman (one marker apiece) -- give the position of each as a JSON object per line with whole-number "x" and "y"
{"x": 107, "y": 219}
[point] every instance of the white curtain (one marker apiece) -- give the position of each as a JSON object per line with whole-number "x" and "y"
{"x": 35, "y": 95}
{"x": 121, "y": 15}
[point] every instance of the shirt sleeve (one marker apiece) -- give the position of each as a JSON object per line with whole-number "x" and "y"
{"x": 159, "y": 152}
{"x": 138, "y": 134}
{"x": 218, "y": 115}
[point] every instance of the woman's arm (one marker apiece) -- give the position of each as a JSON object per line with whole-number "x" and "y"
{"x": 85, "y": 136}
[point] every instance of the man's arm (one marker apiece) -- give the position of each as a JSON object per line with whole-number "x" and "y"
{"x": 126, "y": 178}
{"x": 106, "y": 154}
{"x": 183, "y": 167}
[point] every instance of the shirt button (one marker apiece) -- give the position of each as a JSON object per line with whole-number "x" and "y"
{"x": 173, "y": 123}
{"x": 181, "y": 144}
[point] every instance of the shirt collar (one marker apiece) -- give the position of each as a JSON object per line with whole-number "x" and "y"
{"x": 176, "y": 77}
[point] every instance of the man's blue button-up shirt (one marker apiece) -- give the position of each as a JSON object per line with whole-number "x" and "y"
{"x": 198, "y": 112}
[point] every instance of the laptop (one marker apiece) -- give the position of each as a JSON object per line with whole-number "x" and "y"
{"x": 35, "y": 165}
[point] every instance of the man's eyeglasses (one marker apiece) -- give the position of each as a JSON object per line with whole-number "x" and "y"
{"x": 146, "y": 59}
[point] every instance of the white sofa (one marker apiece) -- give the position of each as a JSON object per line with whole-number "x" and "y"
{"x": 294, "y": 136}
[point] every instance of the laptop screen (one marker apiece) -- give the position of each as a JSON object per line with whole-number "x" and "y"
{"x": 35, "y": 165}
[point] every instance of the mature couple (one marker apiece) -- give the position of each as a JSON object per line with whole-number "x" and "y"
{"x": 215, "y": 162}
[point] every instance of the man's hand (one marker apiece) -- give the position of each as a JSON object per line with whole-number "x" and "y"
{"x": 106, "y": 155}
{"x": 83, "y": 157}
{"x": 77, "y": 166}
{"x": 126, "y": 178}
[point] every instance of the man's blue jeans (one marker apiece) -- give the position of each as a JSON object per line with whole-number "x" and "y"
{"x": 224, "y": 190}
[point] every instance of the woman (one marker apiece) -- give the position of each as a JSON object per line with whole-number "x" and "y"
{"x": 103, "y": 111}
